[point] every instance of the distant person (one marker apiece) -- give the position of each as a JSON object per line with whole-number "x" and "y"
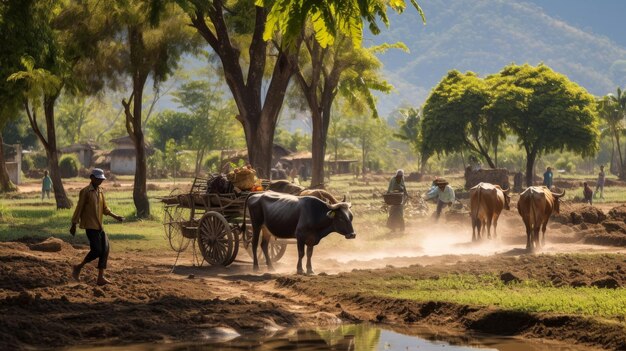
{"x": 587, "y": 194}
{"x": 89, "y": 210}
{"x": 46, "y": 185}
{"x": 517, "y": 182}
{"x": 303, "y": 173}
{"x": 443, "y": 193}
{"x": 600, "y": 183}
{"x": 294, "y": 176}
{"x": 396, "y": 212}
{"x": 547, "y": 178}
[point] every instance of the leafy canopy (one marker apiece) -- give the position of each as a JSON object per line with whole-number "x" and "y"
{"x": 329, "y": 18}
{"x": 545, "y": 110}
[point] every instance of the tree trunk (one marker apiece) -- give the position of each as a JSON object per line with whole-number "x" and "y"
{"x": 140, "y": 190}
{"x": 260, "y": 139}
{"x": 530, "y": 168}
{"x": 318, "y": 148}
{"x": 6, "y": 185}
{"x": 621, "y": 159}
{"x": 62, "y": 201}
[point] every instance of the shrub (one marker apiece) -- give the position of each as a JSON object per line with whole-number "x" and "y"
{"x": 212, "y": 163}
{"x": 40, "y": 160}
{"x": 27, "y": 163}
{"x": 68, "y": 166}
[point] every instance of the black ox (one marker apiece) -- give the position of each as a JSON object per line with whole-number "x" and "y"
{"x": 306, "y": 218}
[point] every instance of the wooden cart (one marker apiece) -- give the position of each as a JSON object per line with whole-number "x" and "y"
{"x": 213, "y": 222}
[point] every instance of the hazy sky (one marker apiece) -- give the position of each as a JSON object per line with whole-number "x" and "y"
{"x": 604, "y": 17}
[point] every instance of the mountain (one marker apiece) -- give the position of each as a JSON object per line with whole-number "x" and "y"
{"x": 485, "y": 35}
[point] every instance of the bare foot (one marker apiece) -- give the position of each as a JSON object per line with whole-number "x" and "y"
{"x": 76, "y": 272}
{"x": 103, "y": 281}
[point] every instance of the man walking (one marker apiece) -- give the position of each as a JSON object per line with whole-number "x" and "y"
{"x": 89, "y": 210}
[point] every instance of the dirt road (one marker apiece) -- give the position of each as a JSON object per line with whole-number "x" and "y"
{"x": 43, "y": 307}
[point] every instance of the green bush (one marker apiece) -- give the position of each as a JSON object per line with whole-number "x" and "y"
{"x": 212, "y": 163}
{"x": 40, "y": 160}
{"x": 27, "y": 163}
{"x": 68, "y": 166}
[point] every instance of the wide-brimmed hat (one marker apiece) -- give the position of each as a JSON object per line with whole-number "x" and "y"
{"x": 441, "y": 181}
{"x": 98, "y": 173}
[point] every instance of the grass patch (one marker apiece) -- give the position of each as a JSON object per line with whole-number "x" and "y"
{"x": 30, "y": 217}
{"x": 526, "y": 296}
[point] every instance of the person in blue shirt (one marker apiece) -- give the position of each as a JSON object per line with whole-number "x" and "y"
{"x": 46, "y": 185}
{"x": 547, "y": 178}
{"x": 443, "y": 193}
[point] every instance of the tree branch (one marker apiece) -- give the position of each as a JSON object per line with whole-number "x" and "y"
{"x": 32, "y": 118}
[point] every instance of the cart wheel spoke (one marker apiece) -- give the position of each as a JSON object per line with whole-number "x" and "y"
{"x": 218, "y": 241}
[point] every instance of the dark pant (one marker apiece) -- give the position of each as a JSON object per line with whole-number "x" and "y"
{"x": 396, "y": 217}
{"x": 99, "y": 247}
{"x": 440, "y": 206}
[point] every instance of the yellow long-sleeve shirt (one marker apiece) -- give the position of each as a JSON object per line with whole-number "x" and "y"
{"x": 90, "y": 208}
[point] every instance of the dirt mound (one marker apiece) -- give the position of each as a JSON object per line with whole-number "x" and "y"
{"x": 41, "y": 307}
{"x": 618, "y": 213}
{"x": 587, "y": 214}
{"x": 51, "y": 244}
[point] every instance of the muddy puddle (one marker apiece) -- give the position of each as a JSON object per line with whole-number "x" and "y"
{"x": 361, "y": 337}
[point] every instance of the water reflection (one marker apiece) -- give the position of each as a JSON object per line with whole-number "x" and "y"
{"x": 361, "y": 337}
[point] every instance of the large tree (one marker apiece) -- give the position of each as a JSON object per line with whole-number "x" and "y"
{"x": 153, "y": 40}
{"x": 68, "y": 50}
{"x": 455, "y": 120}
{"x": 257, "y": 71}
{"x": 546, "y": 111}
{"x": 321, "y": 71}
{"x": 410, "y": 129}
{"x": 612, "y": 109}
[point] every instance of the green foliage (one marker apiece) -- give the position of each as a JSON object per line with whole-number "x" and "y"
{"x": 68, "y": 166}
{"x": 545, "y": 110}
{"x": 27, "y": 164}
{"x": 171, "y": 159}
{"x": 18, "y": 131}
{"x": 296, "y": 141}
{"x": 329, "y": 18}
{"x": 212, "y": 163}
{"x": 172, "y": 125}
{"x": 40, "y": 160}
{"x": 454, "y": 117}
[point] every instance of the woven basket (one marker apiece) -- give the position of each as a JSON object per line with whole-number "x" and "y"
{"x": 393, "y": 198}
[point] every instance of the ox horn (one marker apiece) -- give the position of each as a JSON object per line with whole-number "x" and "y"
{"x": 507, "y": 191}
{"x": 557, "y": 194}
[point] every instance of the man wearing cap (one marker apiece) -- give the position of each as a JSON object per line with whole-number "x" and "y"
{"x": 89, "y": 211}
{"x": 444, "y": 195}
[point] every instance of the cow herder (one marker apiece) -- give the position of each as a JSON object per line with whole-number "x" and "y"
{"x": 396, "y": 212}
{"x": 443, "y": 193}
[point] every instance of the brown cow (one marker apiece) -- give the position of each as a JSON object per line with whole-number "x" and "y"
{"x": 536, "y": 204}
{"x": 486, "y": 204}
{"x": 322, "y": 195}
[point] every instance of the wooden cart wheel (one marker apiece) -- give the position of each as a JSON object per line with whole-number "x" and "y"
{"x": 173, "y": 216}
{"x": 218, "y": 244}
{"x": 275, "y": 249}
